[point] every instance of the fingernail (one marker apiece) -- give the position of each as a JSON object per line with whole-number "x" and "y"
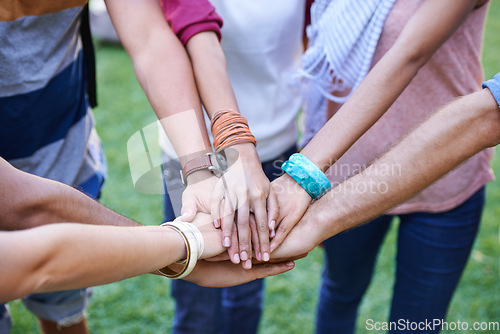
{"x": 236, "y": 258}
{"x": 244, "y": 256}
{"x": 266, "y": 256}
{"x": 272, "y": 234}
{"x": 226, "y": 242}
{"x": 289, "y": 264}
{"x": 259, "y": 256}
{"x": 216, "y": 223}
{"x": 248, "y": 264}
{"x": 272, "y": 224}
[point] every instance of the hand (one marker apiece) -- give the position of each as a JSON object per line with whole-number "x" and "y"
{"x": 211, "y": 235}
{"x": 293, "y": 202}
{"x": 221, "y": 274}
{"x": 198, "y": 194}
{"x": 302, "y": 239}
{"x": 244, "y": 188}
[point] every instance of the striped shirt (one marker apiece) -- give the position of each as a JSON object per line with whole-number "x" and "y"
{"x": 46, "y": 125}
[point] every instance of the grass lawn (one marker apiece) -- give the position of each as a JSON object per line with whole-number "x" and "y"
{"x": 143, "y": 304}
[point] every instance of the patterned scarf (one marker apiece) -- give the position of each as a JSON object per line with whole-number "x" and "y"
{"x": 343, "y": 36}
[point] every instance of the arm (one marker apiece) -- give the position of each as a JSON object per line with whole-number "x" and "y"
{"x": 27, "y": 200}
{"x": 164, "y": 72}
{"x": 68, "y": 256}
{"x": 445, "y": 140}
{"x": 249, "y": 188}
{"x": 425, "y": 32}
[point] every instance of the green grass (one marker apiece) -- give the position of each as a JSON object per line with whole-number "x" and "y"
{"x": 143, "y": 304}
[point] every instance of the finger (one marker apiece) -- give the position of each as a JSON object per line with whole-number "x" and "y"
{"x": 255, "y": 237}
{"x": 268, "y": 269}
{"x": 223, "y": 274}
{"x": 262, "y": 229}
{"x": 283, "y": 229}
{"x": 233, "y": 250}
{"x": 284, "y": 259}
{"x": 227, "y": 222}
{"x": 221, "y": 257}
{"x": 244, "y": 231}
{"x": 273, "y": 210}
{"x": 215, "y": 205}
{"x": 189, "y": 209}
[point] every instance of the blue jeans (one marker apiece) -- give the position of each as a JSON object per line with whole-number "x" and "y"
{"x": 230, "y": 310}
{"x": 432, "y": 250}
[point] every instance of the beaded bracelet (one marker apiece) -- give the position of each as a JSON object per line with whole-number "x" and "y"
{"x": 306, "y": 174}
{"x": 195, "y": 245}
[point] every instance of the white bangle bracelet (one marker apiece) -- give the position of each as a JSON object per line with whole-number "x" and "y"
{"x": 194, "y": 248}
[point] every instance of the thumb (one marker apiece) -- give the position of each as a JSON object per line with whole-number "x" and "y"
{"x": 188, "y": 211}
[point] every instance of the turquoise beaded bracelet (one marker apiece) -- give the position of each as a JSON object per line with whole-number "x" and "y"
{"x": 306, "y": 174}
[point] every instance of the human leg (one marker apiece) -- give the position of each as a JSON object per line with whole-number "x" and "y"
{"x": 432, "y": 252}
{"x": 349, "y": 262}
{"x": 61, "y": 311}
{"x": 5, "y": 319}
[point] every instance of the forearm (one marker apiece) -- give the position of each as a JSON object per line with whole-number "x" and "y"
{"x": 365, "y": 106}
{"x": 164, "y": 71}
{"x": 216, "y": 92}
{"x": 67, "y": 256}
{"x": 209, "y": 65}
{"x": 426, "y": 31}
{"x": 448, "y": 138}
{"x": 27, "y": 200}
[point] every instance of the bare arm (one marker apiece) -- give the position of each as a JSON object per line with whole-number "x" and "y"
{"x": 164, "y": 71}
{"x": 433, "y": 23}
{"x": 27, "y": 200}
{"x": 68, "y": 256}
{"x": 248, "y": 186}
{"x": 445, "y": 140}
{"x": 430, "y": 27}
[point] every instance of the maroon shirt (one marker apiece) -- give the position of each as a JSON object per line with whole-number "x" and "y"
{"x": 187, "y": 18}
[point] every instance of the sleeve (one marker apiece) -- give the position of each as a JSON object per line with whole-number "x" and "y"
{"x": 494, "y": 86}
{"x": 308, "y": 13}
{"x": 189, "y": 17}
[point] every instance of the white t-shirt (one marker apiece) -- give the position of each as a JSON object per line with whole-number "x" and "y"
{"x": 262, "y": 42}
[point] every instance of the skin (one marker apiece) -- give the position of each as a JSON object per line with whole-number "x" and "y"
{"x": 425, "y": 32}
{"x": 453, "y": 134}
{"x": 245, "y": 184}
{"x": 57, "y": 256}
{"x": 174, "y": 84}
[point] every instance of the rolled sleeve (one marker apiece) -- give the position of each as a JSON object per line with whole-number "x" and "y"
{"x": 494, "y": 86}
{"x": 188, "y": 18}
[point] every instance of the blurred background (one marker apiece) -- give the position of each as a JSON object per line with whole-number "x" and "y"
{"x": 144, "y": 305}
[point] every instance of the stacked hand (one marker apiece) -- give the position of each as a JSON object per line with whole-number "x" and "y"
{"x": 254, "y": 216}
{"x": 243, "y": 189}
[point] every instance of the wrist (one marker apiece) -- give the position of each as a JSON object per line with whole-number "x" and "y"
{"x": 316, "y": 158}
{"x": 306, "y": 174}
{"x": 210, "y": 163}
{"x": 194, "y": 245}
{"x": 198, "y": 176}
{"x": 172, "y": 242}
{"x": 244, "y": 151}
